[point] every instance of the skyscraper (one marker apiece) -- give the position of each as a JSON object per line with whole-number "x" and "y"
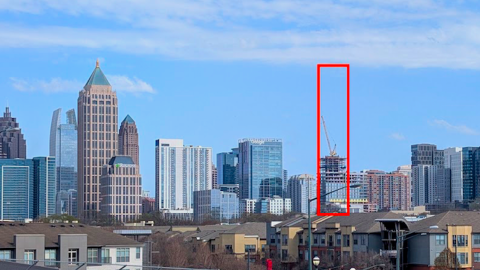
{"x": 16, "y": 189}
{"x": 226, "y": 167}
{"x": 128, "y": 139}
{"x": 454, "y": 172}
{"x": 121, "y": 189}
{"x": 430, "y": 186}
{"x": 260, "y": 168}
{"x": 214, "y": 177}
{"x": 300, "y": 189}
{"x": 63, "y": 143}
{"x": 471, "y": 173}
{"x": 216, "y": 205}
{"x": 97, "y": 139}
{"x": 12, "y": 143}
{"x": 179, "y": 171}
{"x": 44, "y": 186}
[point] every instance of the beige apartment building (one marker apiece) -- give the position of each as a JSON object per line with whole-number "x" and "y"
{"x": 97, "y": 139}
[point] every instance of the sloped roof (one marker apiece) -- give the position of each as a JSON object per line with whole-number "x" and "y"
{"x": 96, "y": 237}
{"x": 471, "y": 218}
{"x": 97, "y": 77}
{"x": 121, "y": 160}
{"x": 250, "y": 228}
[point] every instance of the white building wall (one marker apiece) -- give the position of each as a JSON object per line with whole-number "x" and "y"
{"x": 133, "y": 264}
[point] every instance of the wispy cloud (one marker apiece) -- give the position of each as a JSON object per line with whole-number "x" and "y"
{"x": 406, "y": 33}
{"x": 397, "y": 136}
{"x": 455, "y": 128}
{"x": 119, "y": 83}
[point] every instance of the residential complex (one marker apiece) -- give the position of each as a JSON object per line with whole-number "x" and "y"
{"x": 180, "y": 170}
{"x": 388, "y": 191}
{"x": 97, "y": 139}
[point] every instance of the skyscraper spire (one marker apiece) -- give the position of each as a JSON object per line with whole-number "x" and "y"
{"x": 7, "y": 112}
{"x": 98, "y": 63}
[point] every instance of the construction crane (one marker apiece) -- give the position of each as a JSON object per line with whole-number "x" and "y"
{"x": 333, "y": 152}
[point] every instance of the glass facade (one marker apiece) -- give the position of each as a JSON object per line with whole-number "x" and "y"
{"x": 260, "y": 168}
{"x": 216, "y": 205}
{"x": 16, "y": 189}
{"x": 226, "y": 167}
{"x": 45, "y": 186}
{"x": 471, "y": 173}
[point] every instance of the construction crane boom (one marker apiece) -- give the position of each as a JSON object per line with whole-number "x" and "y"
{"x": 333, "y": 152}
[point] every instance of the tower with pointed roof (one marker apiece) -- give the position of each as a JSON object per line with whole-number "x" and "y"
{"x": 128, "y": 139}
{"x": 97, "y": 140}
{"x": 12, "y": 143}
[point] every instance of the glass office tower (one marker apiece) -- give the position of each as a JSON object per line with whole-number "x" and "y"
{"x": 44, "y": 187}
{"x": 260, "y": 168}
{"x": 226, "y": 167}
{"x": 16, "y": 189}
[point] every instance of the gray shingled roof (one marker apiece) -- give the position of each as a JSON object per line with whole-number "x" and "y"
{"x": 451, "y": 218}
{"x": 251, "y": 228}
{"x": 96, "y": 237}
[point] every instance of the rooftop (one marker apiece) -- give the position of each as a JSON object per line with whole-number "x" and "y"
{"x": 97, "y": 77}
{"x": 128, "y": 119}
{"x": 96, "y": 237}
{"x": 121, "y": 160}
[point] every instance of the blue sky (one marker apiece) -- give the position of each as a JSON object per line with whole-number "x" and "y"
{"x": 212, "y": 72}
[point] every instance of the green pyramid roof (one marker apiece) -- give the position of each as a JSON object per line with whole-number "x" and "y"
{"x": 97, "y": 77}
{"x": 128, "y": 119}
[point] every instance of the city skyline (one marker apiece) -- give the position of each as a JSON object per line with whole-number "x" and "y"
{"x": 162, "y": 87}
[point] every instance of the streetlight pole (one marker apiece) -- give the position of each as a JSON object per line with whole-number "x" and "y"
{"x": 310, "y": 262}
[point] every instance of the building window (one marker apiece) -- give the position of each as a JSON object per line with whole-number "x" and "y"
{"x": 476, "y": 257}
{"x": 72, "y": 256}
{"x": 462, "y": 240}
{"x": 212, "y": 248}
{"x": 339, "y": 240}
{"x": 284, "y": 239}
{"x": 229, "y": 249}
{"x": 355, "y": 239}
{"x": 462, "y": 257}
{"x": 29, "y": 256}
{"x": 315, "y": 239}
{"x": 92, "y": 255}
{"x": 346, "y": 240}
{"x": 138, "y": 252}
{"x": 272, "y": 239}
{"x": 363, "y": 240}
{"x": 476, "y": 239}
{"x": 5, "y": 254}
{"x": 50, "y": 257}
{"x": 263, "y": 248}
{"x": 440, "y": 240}
{"x": 123, "y": 255}
{"x": 322, "y": 239}
{"x": 250, "y": 247}
{"x": 284, "y": 254}
{"x": 106, "y": 256}
{"x": 300, "y": 239}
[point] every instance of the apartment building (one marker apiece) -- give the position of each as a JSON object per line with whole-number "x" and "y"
{"x": 67, "y": 246}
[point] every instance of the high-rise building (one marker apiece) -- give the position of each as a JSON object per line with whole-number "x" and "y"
{"x": 128, "y": 139}
{"x": 121, "y": 189}
{"x": 247, "y": 206}
{"x": 16, "y": 189}
{"x": 226, "y": 167}
{"x": 12, "y": 143}
{"x": 97, "y": 139}
{"x": 430, "y": 186}
{"x": 285, "y": 182}
{"x": 44, "y": 186}
{"x": 215, "y": 205}
{"x": 180, "y": 170}
{"x": 63, "y": 143}
{"x": 214, "y": 177}
{"x": 234, "y": 188}
{"x": 471, "y": 173}
{"x": 300, "y": 189}
{"x": 333, "y": 172}
{"x": 260, "y": 168}
{"x": 388, "y": 191}
{"x": 454, "y": 172}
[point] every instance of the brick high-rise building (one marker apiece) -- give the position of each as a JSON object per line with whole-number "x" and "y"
{"x": 389, "y": 191}
{"x": 97, "y": 139}
{"x": 12, "y": 143}
{"x": 128, "y": 139}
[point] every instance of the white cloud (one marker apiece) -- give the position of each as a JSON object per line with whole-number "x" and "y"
{"x": 455, "y": 128}
{"x": 57, "y": 85}
{"x": 407, "y": 33}
{"x": 397, "y": 136}
{"x": 129, "y": 85}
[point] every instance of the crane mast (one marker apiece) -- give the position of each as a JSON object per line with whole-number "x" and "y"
{"x": 333, "y": 152}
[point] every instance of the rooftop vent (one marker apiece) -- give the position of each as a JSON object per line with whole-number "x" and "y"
{"x": 22, "y": 224}
{"x": 12, "y": 224}
{"x": 62, "y": 226}
{"x": 53, "y": 226}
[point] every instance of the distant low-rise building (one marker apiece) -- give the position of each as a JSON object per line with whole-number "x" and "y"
{"x": 216, "y": 205}
{"x": 275, "y": 205}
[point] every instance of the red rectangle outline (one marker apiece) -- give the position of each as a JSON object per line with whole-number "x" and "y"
{"x": 318, "y": 139}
